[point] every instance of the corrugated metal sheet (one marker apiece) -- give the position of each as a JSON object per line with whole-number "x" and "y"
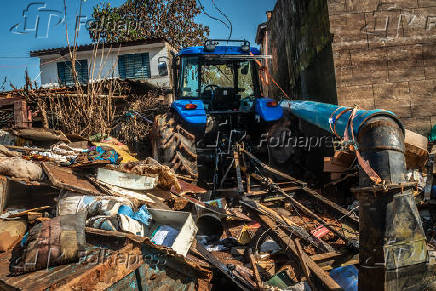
{"x": 134, "y": 66}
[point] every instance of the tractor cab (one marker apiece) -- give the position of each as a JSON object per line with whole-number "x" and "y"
{"x": 215, "y": 79}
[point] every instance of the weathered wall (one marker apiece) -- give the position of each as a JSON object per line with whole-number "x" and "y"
{"x": 299, "y": 40}
{"x": 383, "y": 54}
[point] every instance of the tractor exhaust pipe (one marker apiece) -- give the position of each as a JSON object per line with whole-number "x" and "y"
{"x": 392, "y": 243}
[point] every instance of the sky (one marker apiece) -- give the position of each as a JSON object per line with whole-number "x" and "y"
{"x": 20, "y": 34}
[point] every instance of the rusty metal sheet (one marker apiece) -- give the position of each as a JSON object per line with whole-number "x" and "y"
{"x": 188, "y": 188}
{"x": 64, "y": 178}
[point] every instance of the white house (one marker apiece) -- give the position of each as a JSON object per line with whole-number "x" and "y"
{"x": 125, "y": 60}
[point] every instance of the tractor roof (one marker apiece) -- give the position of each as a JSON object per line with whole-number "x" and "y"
{"x": 219, "y": 50}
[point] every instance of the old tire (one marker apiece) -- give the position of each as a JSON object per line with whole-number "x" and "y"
{"x": 173, "y": 145}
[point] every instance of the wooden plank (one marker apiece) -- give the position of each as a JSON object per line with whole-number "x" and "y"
{"x": 255, "y": 270}
{"x": 20, "y": 114}
{"x": 289, "y": 246}
{"x": 332, "y": 166}
{"x": 64, "y": 178}
{"x": 262, "y": 192}
{"x": 10, "y": 101}
{"x": 344, "y": 158}
{"x": 325, "y": 256}
{"x": 4, "y": 191}
{"x": 303, "y": 261}
{"x": 25, "y": 212}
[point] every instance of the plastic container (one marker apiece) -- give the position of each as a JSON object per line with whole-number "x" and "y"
{"x": 347, "y": 277}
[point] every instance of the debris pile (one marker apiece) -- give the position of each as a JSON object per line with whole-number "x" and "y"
{"x": 90, "y": 215}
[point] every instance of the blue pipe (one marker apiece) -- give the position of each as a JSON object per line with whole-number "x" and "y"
{"x": 323, "y": 114}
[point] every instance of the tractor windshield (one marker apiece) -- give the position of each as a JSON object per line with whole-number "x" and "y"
{"x": 209, "y": 78}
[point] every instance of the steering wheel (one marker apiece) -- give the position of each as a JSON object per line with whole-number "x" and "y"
{"x": 211, "y": 86}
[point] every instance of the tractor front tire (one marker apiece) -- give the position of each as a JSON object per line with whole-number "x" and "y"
{"x": 173, "y": 145}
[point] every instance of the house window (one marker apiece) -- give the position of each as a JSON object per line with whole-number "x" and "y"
{"x": 65, "y": 72}
{"x": 134, "y": 66}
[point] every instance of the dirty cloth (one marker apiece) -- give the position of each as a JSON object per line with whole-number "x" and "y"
{"x": 11, "y": 233}
{"x": 53, "y": 242}
{"x": 72, "y": 203}
{"x": 166, "y": 176}
{"x": 61, "y": 153}
{"x": 98, "y": 153}
{"x": 119, "y": 222}
{"x": 142, "y": 215}
{"x": 121, "y": 148}
{"x": 20, "y": 168}
{"x": 125, "y": 220}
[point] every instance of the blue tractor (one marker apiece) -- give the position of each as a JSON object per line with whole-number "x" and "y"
{"x": 218, "y": 103}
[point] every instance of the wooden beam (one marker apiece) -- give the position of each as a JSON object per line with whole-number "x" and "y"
{"x": 255, "y": 270}
{"x": 3, "y": 192}
{"x": 289, "y": 246}
{"x": 20, "y": 114}
{"x": 10, "y": 101}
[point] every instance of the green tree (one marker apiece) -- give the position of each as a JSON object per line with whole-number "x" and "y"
{"x": 173, "y": 20}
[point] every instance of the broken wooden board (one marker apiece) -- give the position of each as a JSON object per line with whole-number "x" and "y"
{"x": 24, "y": 213}
{"x": 290, "y": 247}
{"x": 100, "y": 269}
{"x": 331, "y": 165}
{"x": 65, "y": 178}
{"x": 416, "y": 153}
{"x": 345, "y": 158}
{"x": 3, "y": 192}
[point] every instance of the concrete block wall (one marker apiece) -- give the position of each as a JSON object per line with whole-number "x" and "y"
{"x": 385, "y": 57}
{"x": 373, "y": 53}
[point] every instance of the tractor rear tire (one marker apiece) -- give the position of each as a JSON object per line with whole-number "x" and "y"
{"x": 173, "y": 145}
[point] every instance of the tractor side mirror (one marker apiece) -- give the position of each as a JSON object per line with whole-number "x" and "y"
{"x": 162, "y": 67}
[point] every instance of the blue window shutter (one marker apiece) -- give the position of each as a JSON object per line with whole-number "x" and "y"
{"x": 61, "y": 72}
{"x": 65, "y": 72}
{"x": 134, "y": 66}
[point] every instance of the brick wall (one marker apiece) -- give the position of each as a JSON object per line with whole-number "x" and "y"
{"x": 383, "y": 54}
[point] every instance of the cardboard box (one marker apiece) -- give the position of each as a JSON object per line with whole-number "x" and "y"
{"x": 416, "y": 150}
{"x": 179, "y": 220}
